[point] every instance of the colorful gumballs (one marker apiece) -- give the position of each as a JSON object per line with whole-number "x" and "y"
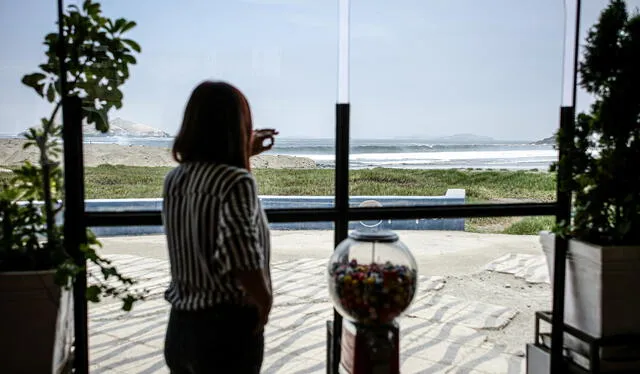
{"x": 374, "y": 293}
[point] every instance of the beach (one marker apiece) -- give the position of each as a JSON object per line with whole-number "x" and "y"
{"x": 136, "y": 170}
{"x": 12, "y": 154}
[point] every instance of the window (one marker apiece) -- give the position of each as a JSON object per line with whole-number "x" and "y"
{"x": 427, "y": 89}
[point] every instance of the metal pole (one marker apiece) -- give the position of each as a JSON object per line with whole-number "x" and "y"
{"x": 342, "y": 207}
{"x": 341, "y": 164}
{"x": 74, "y": 224}
{"x": 563, "y": 214}
{"x": 576, "y": 55}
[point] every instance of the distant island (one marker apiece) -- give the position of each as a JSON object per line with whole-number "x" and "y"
{"x": 546, "y": 141}
{"x": 122, "y": 127}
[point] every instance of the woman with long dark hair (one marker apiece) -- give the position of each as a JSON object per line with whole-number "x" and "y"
{"x": 217, "y": 238}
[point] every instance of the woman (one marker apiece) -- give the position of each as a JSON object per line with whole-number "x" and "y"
{"x": 217, "y": 237}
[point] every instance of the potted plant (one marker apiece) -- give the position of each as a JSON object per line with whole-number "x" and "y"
{"x": 36, "y": 271}
{"x": 603, "y": 160}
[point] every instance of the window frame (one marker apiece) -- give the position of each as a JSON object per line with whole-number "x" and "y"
{"x": 77, "y": 219}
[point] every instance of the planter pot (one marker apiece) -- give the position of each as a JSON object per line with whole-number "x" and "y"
{"x": 36, "y": 323}
{"x": 601, "y": 296}
{"x": 601, "y": 292}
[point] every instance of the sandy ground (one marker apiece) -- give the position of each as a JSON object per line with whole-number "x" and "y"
{"x": 458, "y": 256}
{"x": 12, "y": 154}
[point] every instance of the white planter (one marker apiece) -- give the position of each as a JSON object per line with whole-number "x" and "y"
{"x": 602, "y": 287}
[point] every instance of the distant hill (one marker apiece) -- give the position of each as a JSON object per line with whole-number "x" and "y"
{"x": 122, "y": 127}
{"x": 465, "y": 139}
{"x": 546, "y": 141}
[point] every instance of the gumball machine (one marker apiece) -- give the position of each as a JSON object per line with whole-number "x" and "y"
{"x": 372, "y": 281}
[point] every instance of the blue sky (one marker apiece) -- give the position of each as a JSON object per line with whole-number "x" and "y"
{"x": 419, "y": 68}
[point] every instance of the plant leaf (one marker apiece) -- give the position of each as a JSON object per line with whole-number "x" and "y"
{"x": 33, "y": 81}
{"x": 51, "y": 93}
{"x": 134, "y": 45}
{"x": 120, "y": 23}
{"x": 128, "y": 26}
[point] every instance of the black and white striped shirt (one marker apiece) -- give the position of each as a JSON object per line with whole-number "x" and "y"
{"x": 214, "y": 224}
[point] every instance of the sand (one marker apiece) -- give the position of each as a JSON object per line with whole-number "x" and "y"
{"x": 460, "y": 257}
{"x": 12, "y": 154}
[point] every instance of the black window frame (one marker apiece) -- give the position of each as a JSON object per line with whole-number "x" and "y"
{"x": 77, "y": 220}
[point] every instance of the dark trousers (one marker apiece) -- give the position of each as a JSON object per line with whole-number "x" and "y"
{"x": 218, "y": 340}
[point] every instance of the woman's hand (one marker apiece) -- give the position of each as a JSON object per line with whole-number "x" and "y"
{"x": 258, "y": 139}
{"x": 253, "y": 282}
{"x": 263, "y": 314}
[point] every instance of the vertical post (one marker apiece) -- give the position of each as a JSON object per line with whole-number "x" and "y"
{"x": 341, "y": 164}
{"x": 74, "y": 227}
{"x": 563, "y": 214}
{"x": 564, "y": 193}
{"x": 342, "y": 206}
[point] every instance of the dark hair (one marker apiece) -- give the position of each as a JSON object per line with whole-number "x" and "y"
{"x": 216, "y": 128}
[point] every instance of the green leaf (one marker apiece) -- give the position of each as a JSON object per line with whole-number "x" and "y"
{"x": 131, "y": 43}
{"x": 93, "y": 293}
{"x": 113, "y": 96}
{"x": 120, "y": 23}
{"x": 33, "y": 81}
{"x": 51, "y": 93}
{"x": 93, "y": 10}
{"x": 48, "y": 67}
{"x": 99, "y": 118}
{"x": 51, "y": 38}
{"x": 129, "y": 59}
{"x": 128, "y": 26}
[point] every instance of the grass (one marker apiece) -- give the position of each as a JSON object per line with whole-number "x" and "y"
{"x": 124, "y": 182}
{"x": 117, "y": 181}
{"x": 530, "y": 225}
{"x": 479, "y": 185}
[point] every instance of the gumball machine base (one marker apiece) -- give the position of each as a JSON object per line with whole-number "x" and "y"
{"x": 367, "y": 349}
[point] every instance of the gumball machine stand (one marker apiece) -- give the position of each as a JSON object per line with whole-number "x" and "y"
{"x": 372, "y": 279}
{"x": 370, "y": 349}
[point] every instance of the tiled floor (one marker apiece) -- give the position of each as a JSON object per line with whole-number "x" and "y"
{"x": 440, "y": 334}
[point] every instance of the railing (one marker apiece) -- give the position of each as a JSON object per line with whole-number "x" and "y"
{"x": 452, "y": 197}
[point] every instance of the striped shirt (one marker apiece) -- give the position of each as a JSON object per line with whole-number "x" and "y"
{"x": 215, "y": 225}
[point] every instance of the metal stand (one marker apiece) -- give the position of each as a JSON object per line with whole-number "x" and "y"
{"x": 581, "y": 362}
{"x": 370, "y": 349}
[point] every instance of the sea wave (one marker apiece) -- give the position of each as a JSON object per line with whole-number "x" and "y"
{"x": 295, "y": 149}
{"x": 442, "y": 156}
{"x": 394, "y": 154}
{"x": 327, "y": 146}
{"x": 513, "y": 160}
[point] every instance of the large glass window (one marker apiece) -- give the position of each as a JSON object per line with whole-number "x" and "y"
{"x": 456, "y": 103}
{"x": 450, "y": 104}
{"x": 283, "y": 56}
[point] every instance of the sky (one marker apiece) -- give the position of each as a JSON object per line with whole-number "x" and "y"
{"x": 418, "y": 68}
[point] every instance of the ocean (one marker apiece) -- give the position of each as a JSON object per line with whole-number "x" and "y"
{"x": 397, "y": 153}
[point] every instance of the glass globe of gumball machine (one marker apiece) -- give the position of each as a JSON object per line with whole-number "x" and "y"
{"x": 372, "y": 278}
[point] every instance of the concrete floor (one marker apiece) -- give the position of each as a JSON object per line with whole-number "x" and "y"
{"x": 473, "y": 312}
